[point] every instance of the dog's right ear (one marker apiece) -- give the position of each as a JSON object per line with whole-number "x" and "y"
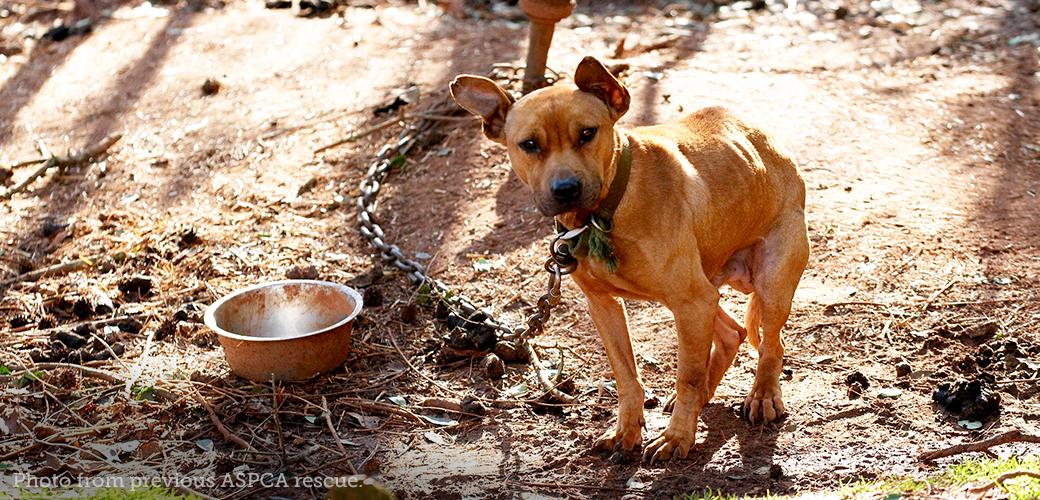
{"x": 486, "y": 99}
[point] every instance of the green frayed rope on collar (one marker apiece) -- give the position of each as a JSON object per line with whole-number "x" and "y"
{"x": 594, "y": 239}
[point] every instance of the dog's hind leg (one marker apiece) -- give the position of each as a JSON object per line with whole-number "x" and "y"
{"x": 777, "y": 267}
{"x": 726, "y": 341}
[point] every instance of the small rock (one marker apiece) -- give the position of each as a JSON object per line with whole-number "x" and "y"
{"x": 371, "y": 467}
{"x": 857, "y": 378}
{"x": 59, "y": 352}
{"x": 471, "y": 333}
{"x": 507, "y": 351}
{"x": 903, "y": 369}
{"x": 36, "y": 355}
{"x": 307, "y": 186}
{"x": 5, "y": 176}
{"x": 409, "y": 312}
{"x": 307, "y": 272}
{"x": 189, "y": 237}
{"x": 82, "y": 308}
{"x": 984, "y": 357}
{"x": 473, "y": 406}
{"x": 493, "y": 366}
{"x": 103, "y": 305}
{"x": 118, "y": 348}
{"x": 372, "y": 297}
{"x": 137, "y": 284}
{"x": 369, "y": 277}
{"x": 131, "y": 326}
{"x": 85, "y": 330}
{"x": 623, "y": 457}
{"x": 50, "y": 227}
{"x": 69, "y": 339}
{"x": 775, "y": 471}
{"x": 210, "y": 86}
{"x": 80, "y": 356}
{"x": 973, "y": 399}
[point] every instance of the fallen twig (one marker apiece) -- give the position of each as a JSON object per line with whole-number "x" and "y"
{"x": 999, "y": 481}
{"x": 1018, "y": 381}
{"x": 358, "y": 135}
{"x": 106, "y": 376}
{"x": 335, "y": 435}
{"x": 1015, "y": 436}
{"x": 219, "y": 425}
{"x": 947, "y": 286}
{"x": 549, "y": 387}
{"x": 563, "y": 486}
{"x": 62, "y": 162}
{"x": 55, "y": 270}
{"x": 386, "y": 123}
{"x": 243, "y": 494}
{"x": 383, "y": 408}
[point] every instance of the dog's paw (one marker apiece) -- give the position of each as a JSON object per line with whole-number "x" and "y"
{"x": 620, "y": 439}
{"x": 670, "y": 444}
{"x": 763, "y": 405}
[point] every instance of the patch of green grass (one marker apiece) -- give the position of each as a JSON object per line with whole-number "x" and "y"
{"x": 988, "y": 469}
{"x": 146, "y": 493}
{"x": 970, "y": 470}
{"x": 710, "y": 494}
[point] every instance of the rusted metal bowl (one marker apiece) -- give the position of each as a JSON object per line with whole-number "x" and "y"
{"x": 285, "y": 330}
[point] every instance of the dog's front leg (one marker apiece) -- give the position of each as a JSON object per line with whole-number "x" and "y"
{"x": 695, "y": 327}
{"x": 608, "y": 313}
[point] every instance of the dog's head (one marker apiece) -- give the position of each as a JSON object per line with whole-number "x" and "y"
{"x": 560, "y": 139}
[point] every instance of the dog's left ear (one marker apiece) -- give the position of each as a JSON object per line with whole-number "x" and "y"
{"x": 592, "y": 77}
{"x": 484, "y": 98}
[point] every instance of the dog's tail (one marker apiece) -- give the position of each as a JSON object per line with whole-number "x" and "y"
{"x": 752, "y": 318}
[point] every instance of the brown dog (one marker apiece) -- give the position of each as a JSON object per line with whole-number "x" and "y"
{"x": 710, "y": 200}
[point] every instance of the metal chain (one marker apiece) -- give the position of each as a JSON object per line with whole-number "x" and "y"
{"x": 559, "y": 264}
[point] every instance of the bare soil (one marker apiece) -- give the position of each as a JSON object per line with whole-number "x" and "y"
{"x": 916, "y": 126}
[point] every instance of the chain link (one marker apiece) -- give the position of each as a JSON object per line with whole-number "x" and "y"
{"x": 559, "y": 264}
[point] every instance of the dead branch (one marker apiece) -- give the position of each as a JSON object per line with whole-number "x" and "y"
{"x": 335, "y": 435}
{"x": 55, "y": 270}
{"x": 543, "y": 379}
{"x": 62, "y": 162}
{"x": 220, "y": 425}
{"x": 87, "y": 371}
{"x": 385, "y": 409}
{"x": 999, "y": 481}
{"x": 386, "y": 123}
{"x": 947, "y": 286}
{"x": 1014, "y": 436}
{"x": 358, "y": 135}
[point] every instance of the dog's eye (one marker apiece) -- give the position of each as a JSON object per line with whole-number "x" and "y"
{"x": 530, "y": 146}
{"x": 587, "y": 135}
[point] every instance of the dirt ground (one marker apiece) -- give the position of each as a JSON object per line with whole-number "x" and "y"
{"x": 915, "y": 124}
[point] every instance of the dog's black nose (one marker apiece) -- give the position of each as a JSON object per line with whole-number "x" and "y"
{"x": 566, "y": 190}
